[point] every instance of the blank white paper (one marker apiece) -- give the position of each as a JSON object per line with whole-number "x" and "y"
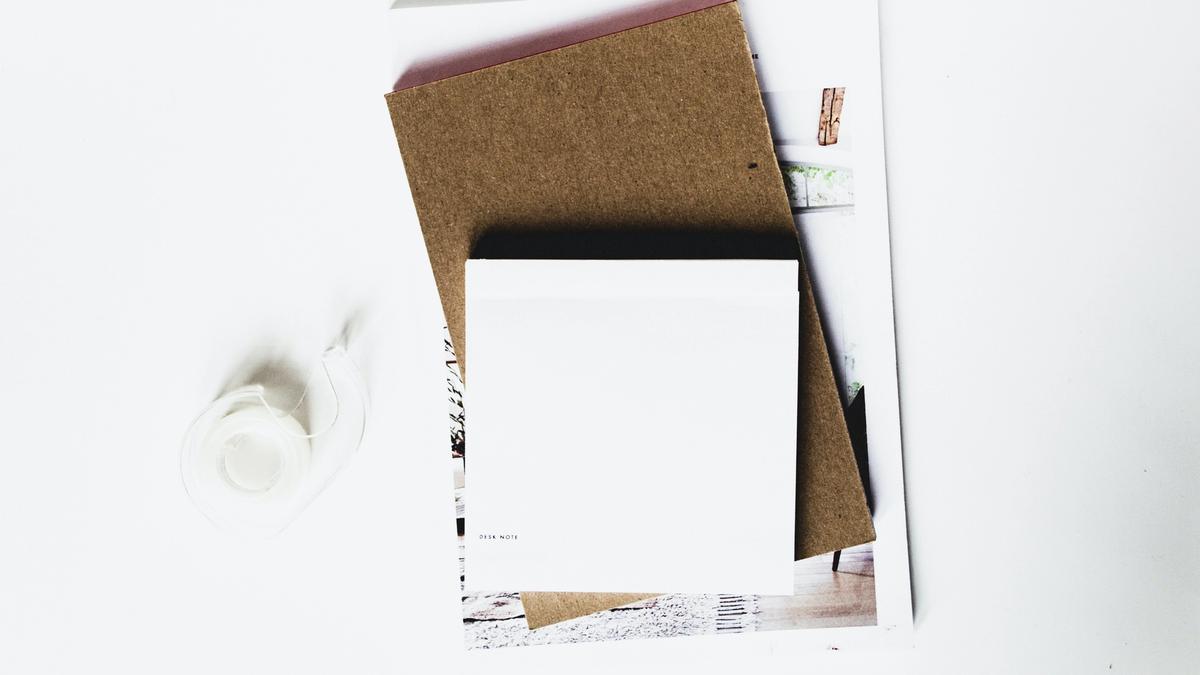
{"x": 631, "y": 425}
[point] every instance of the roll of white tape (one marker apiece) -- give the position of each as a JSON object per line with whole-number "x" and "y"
{"x": 251, "y": 467}
{"x": 253, "y": 454}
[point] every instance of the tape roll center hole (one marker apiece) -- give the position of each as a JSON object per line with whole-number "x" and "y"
{"x": 253, "y": 461}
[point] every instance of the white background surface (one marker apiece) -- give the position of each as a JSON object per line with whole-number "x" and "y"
{"x": 185, "y": 186}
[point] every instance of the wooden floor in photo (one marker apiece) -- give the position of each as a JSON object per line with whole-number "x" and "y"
{"x": 825, "y": 598}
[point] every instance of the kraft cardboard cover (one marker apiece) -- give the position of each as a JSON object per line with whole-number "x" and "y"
{"x": 656, "y": 130}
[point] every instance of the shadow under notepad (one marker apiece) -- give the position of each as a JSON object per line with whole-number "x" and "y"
{"x": 635, "y": 243}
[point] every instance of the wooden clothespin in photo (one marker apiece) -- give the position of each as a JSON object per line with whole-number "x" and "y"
{"x": 831, "y": 115}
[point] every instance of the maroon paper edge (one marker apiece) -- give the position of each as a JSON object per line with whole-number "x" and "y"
{"x": 538, "y": 43}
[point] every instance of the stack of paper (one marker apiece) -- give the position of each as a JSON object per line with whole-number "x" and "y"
{"x": 659, "y": 132}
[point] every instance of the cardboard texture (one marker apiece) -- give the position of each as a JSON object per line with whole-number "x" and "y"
{"x": 658, "y": 129}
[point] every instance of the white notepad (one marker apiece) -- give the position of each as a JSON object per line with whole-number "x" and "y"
{"x": 630, "y": 427}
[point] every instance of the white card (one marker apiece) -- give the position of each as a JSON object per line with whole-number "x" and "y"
{"x": 630, "y": 426}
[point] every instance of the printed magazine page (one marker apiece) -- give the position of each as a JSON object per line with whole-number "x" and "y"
{"x": 818, "y": 69}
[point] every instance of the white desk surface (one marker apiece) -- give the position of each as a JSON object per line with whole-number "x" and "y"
{"x": 184, "y": 186}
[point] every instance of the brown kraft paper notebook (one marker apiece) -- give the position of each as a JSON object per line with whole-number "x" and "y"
{"x": 657, "y": 130}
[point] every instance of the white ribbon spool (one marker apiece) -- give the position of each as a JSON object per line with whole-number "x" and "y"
{"x": 249, "y": 466}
